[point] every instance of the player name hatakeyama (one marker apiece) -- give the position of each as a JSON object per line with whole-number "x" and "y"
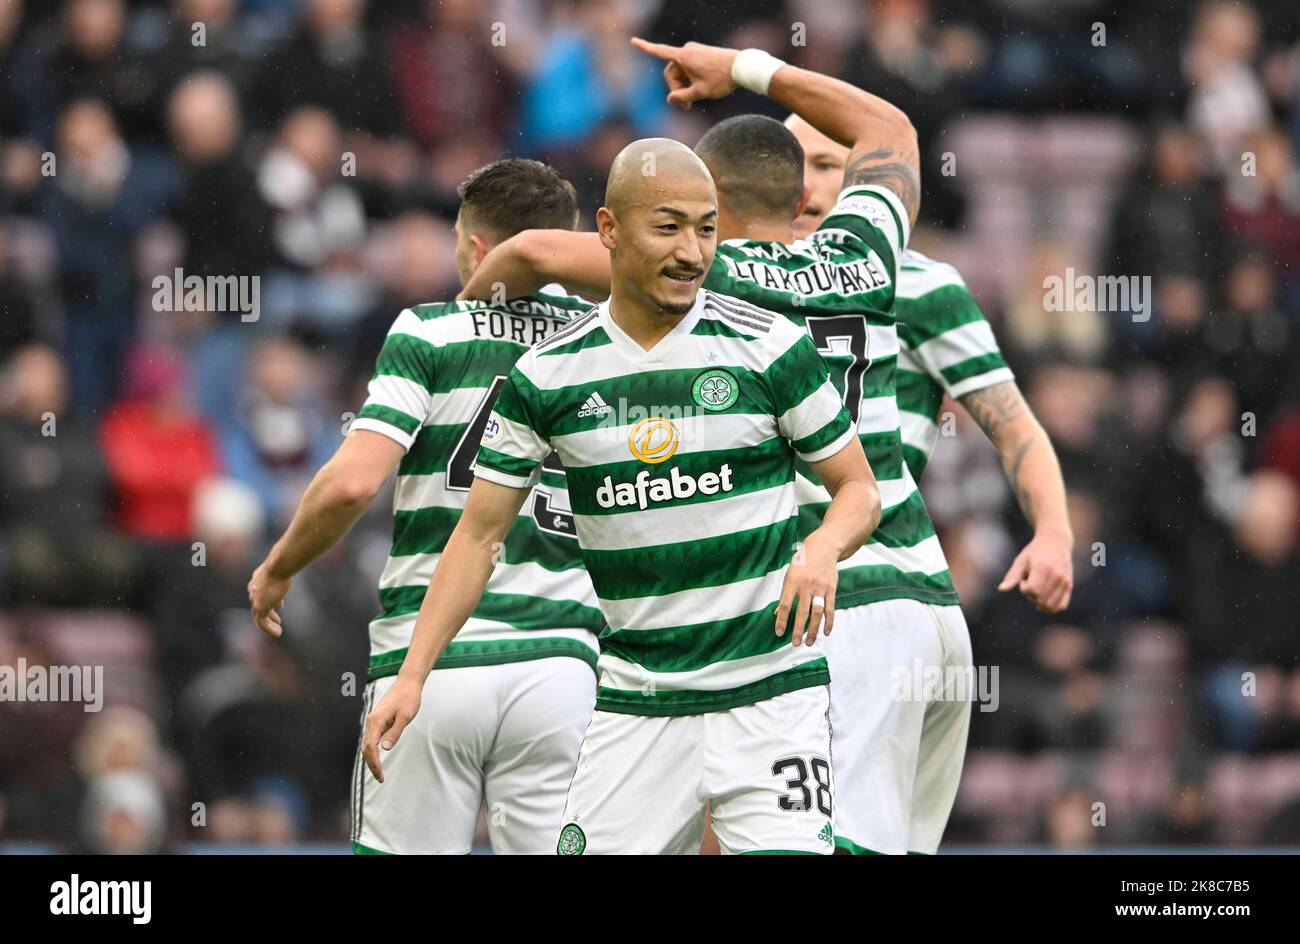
{"x": 821, "y": 278}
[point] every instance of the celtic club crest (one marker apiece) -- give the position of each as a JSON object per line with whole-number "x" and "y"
{"x": 716, "y": 390}
{"x": 572, "y": 840}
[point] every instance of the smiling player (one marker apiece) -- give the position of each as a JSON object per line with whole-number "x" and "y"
{"x": 688, "y": 538}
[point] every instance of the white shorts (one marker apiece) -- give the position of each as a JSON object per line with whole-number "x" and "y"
{"x": 505, "y": 735}
{"x": 900, "y": 738}
{"x": 642, "y": 783}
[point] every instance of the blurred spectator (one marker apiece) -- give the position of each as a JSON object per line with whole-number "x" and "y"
{"x": 1070, "y": 820}
{"x": 206, "y": 35}
{"x": 55, "y": 539}
{"x": 252, "y": 722}
{"x": 1250, "y": 341}
{"x": 1238, "y": 597}
{"x": 17, "y": 326}
{"x": 330, "y": 61}
{"x": 1073, "y": 403}
{"x": 1189, "y": 819}
{"x": 36, "y": 744}
{"x": 124, "y": 814}
{"x": 586, "y": 75}
{"x": 1227, "y": 100}
{"x": 158, "y": 451}
{"x": 1264, "y": 207}
{"x": 1067, "y": 712}
{"x": 13, "y": 118}
{"x": 271, "y": 814}
{"x": 1172, "y": 335}
{"x": 1191, "y": 482}
{"x": 679, "y": 21}
{"x": 1166, "y": 221}
{"x": 83, "y": 55}
{"x": 414, "y": 261}
{"x": 202, "y": 595}
{"x": 117, "y": 739}
{"x": 219, "y": 199}
{"x": 319, "y": 220}
{"x": 1281, "y": 448}
{"x": 280, "y": 434}
{"x": 450, "y": 68}
{"x": 102, "y": 197}
{"x": 905, "y": 58}
{"x": 1037, "y": 332}
{"x": 1043, "y": 55}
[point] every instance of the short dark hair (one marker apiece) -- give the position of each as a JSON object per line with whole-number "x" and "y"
{"x": 514, "y": 194}
{"x": 757, "y": 165}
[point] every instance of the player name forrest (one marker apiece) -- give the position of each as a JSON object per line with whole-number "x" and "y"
{"x": 55, "y": 683}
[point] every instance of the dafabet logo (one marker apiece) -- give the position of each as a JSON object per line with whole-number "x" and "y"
{"x": 654, "y": 439}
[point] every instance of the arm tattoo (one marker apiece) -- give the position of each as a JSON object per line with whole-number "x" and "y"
{"x": 888, "y": 168}
{"x": 994, "y": 407}
{"x": 1013, "y": 476}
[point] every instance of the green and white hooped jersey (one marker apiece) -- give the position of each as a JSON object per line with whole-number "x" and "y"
{"x": 838, "y": 285}
{"x": 681, "y": 472}
{"x": 439, "y": 372}
{"x": 945, "y": 346}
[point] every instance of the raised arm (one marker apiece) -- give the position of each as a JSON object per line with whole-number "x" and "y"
{"x": 457, "y": 586}
{"x": 881, "y": 140}
{"x": 527, "y": 261}
{"x": 1044, "y": 570}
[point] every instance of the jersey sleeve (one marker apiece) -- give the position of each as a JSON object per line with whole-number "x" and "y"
{"x": 874, "y": 215}
{"x": 809, "y": 411}
{"x": 400, "y": 396}
{"x": 514, "y": 445}
{"x": 952, "y": 341}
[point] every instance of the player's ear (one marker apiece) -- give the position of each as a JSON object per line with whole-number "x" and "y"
{"x": 803, "y": 201}
{"x": 481, "y": 248}
{"x": 605, "y": 224}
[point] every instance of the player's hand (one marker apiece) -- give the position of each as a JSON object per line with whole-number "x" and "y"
{"x": 811, "y": 577}
{"x": 1044, "y": 572}
{"x": 388, "y": 720}
{"x": 266, "y": 593}
{"x": 694, "y": 72}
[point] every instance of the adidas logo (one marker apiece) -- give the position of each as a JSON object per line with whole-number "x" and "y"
{"x": 595, "y": 406}
{"x": 827, "y": 834}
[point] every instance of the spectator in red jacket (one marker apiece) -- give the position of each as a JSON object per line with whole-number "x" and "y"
{"x": 1281, "y": 448}
{"x": 158, "y": 450}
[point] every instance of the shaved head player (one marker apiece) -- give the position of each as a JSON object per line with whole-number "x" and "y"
{"x": 710, "y": 692}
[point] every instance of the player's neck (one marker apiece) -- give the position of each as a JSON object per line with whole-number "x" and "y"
{"x": 640, "y": 318}
{"x": 768, "y": 231}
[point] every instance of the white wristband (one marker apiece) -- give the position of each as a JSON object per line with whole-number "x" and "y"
{"x": 753, "y": 69}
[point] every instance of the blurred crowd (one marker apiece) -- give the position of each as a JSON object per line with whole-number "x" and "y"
{"x": 148, "y": 456}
